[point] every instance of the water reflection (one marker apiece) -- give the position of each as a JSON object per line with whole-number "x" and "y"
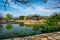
{"x": 1, "y": 26}
{"x": 35, "y": 28}
{"x": 9, "y": 26}
{"x": 21, "y": 24}
{"x": 18, "y": 30}
{"x": 24, "y": 25}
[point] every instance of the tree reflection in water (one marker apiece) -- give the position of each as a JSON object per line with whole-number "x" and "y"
{"x": 21, "y": 24}
{"x": 1, "y": 26}
{"x": 37, "y": 29}
{"x": 9, "y": 26}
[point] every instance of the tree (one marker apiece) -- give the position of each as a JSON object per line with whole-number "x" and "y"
{"x": 9, "y": 16}
{"x": 36, "y": 17}
{"x": 21, "y": 17}
{"x": 54, "y": 19}
{"x": 25, "y": 17}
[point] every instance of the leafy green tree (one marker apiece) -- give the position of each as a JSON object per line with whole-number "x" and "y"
{"x": 54, "y": 19}
{"x": 36, "y": 17}
{"x": 52, "y": 23}
{"x": 22, "y": 17}
{"x": 25, "y": 17}
{"x": 9, "y": 16}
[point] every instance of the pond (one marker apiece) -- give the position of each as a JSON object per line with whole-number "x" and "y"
{"x": 17, "y": 30}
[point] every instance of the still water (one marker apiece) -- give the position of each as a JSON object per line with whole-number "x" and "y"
{"x": 17, "y": 30}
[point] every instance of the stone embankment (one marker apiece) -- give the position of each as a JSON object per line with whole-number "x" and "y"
{"x": 46, "y": 36}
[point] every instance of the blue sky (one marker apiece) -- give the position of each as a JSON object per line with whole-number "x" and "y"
{"x": 36, "y": 8}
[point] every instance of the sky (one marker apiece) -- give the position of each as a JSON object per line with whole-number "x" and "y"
{"x": 35, "y": 7}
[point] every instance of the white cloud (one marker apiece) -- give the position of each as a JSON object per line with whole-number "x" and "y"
{"x": 30, "y": 10}
{"x": 38, "y": 9}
